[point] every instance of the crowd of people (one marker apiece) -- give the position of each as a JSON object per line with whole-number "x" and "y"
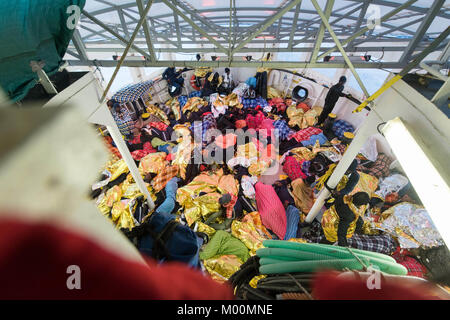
{"x": 234, "y": 164}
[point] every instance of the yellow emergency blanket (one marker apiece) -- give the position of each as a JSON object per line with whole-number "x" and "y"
{"x": 202, "y": 71}
{"x": 367, "y": 183}
{"x": 174, "y": 105}
{"x": 231, "y": 100}
{"x": 255, "y": 219}
{"x": 303, "y": 153}
{"x": 247, "y": 233}
{"x": 310, "y": 117}
{"x": 201, "y": 227}
{"x": 117, "y": 168}
{"x": 248, "y": 151}
{"x": 153, "y": 163}
{"x": 273, "y": 93}
{"x": 295, "y": 116}
{"x": 223, "y": 267}
{"x": 185, "y": 148}
{"x": 194, "y": 104}
{"x": 152, "y": 109}
{"x": 121, "y": 215}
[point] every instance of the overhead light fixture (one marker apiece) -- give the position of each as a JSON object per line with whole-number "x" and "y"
{"x": 430, "y": 186}
{"x": 365, "y": 58}
{"x": 129, "y": 58}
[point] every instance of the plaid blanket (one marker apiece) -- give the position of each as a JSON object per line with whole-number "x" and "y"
{"x": 305, "y": 134}
{"x": 253, "y": 122}
{"x": 293, "y": 168}
{"x": 341, "y": 126}
{"x": 253, "y": 103}
{"x": 195, "y": 94}
{"x": 414, "y": 267}
{"x": 382, "y": 244}
{"x": 282, "y": 129}
{"x": 379, "y": 168}
{"x": 132, "y": 92}
{"x": 160, "y": 181}
{"x": 124, "y": 123}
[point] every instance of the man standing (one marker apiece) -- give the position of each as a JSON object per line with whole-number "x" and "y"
{"x": 332, "y": 97}
{"x": 227, "y": 80}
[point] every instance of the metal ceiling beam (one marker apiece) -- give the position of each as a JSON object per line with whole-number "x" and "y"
{"x": 192, "y": 23}
{"x": 225, "y": 9}
{"x": 73, "y": 54}
{"x": 248, "y": 50}
{"x": 125, "y": 52}
{"x": 118, "y": 36}
{"x": 258, "y": 43}
{"x": 338, "y": 44}
{"x": 237, "y": 63}
{"x": 431, "y": 14}
{"x": 79, "y": 45}
{"x": 364, "y": 30}
{"x": 308, "y": 35}
{"x": 306, "y": 22}
{"x": 373, "y": 38}
{"x": 294, "y": 24}
{"x": 229, "y": 32}
{"x": 348, "y": 14}
{"x": 100, "y": 33}
{"x": 395, "y": 4}
{"x": 362, "y": 14}
{"x": 177, "y": 28}
{"x": 267, "y": 24}
{"x": 445, "y": 55}
{"x": 123, "y": 22}
{"x": 207, "y": 23}
{"x": 151, "y": 50}
{"x": 154, "y": 32}
{"x": 321, "y": 32}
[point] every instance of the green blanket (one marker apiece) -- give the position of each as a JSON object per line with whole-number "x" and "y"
{"x": 223, "y": 243}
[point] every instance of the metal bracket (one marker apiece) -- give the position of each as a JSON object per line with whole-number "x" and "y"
{"x": 37, "y": 67}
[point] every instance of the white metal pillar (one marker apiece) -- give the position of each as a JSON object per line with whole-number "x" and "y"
{"x": 368, "y": 128}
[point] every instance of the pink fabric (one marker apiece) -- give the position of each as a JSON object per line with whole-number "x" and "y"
{"x": 266, "y": 128}
{"x": 272, "y": 212}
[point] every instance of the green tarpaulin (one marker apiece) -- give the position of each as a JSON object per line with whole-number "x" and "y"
{"x": 33, "y": 30}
